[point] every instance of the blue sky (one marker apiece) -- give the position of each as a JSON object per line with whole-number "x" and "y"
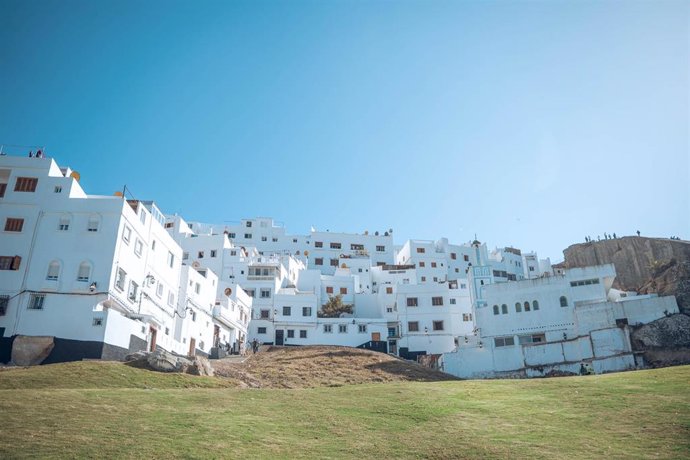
{"x": 531, "y": 124}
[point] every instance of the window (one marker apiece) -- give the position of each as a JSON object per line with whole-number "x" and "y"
{"x": 194, "y": 316}
{"x": 526, "y": 305}
{"x": 197, "y": 288}
{"x": 10, "y": 263}
{"x": 57, "y": 189}
{"x": 261, "y": 330}
{"x": 531, "y": 269}
{"x": 453, "y": 256}
{"x": 342, "y": 328}
{"x": 36, "y": 301}
{"x": 290, "y": 333}
{"x": 153, "y": 245}
{"x": 467, "y": 317}
{"x": 97, "y": 322}
{"x": 329, "y": 289}
{"x": 126, "y": 234}
{"x": 133, "y": 290}
{"x": 504, "y": 341}
{"x": 138, "y": 247}
{"x": 159, "y": 289}
{"x": 334, "y": 262}
{"x": 422, "y": 264}
{"x": 14, "y": 224}
{"x": 306, "y": 311}
{"x": 3, "y": 189}
{"x": 452, "y": 300}
{"x": 362, "y": 328}
{"x": 171, "y": 259}
{"x": 318, "y": 244}
{"x": 356, "y": 247}
{"x": 92, "y": 225}
{"x": 433, "y": 264}
{"x": 423, "y": 278}
{"x": 185, "y": 256}
{"x": 142, "y": 216}
{"x": 535, "y": 305}
{"x": 247, "y": 236}
{"x": 343, "y": 290}
{"x": 336, "y": 245}
{"x": 249, "y": 224}
{"x": 412, "y": 301}
{"x": 380, "y": 248}
{"x": 287, "y": 311}
{"x": 264, "y": 314}
{"x": 171, "y": 298}
{"x": 413, "y": 326}
{"x": 231, "y": 235}
{"x": 302, "y": 334}
{"x": 438, "y": 325}
{"x": 200, "y": 255}
{"x": 466, "y": 258}
{"x": 250, "y": 292}
{"x": 265, "y": 293}
{"x": 532, "y": 338}
{"x": 84, "y": 272}
{"x": 504, "y": 309}
{"x": 120, "y": 279}
{"x": 584, "y": 282}
{"x": 275, "y": 240}
{"x": 496, "y": 310}
{"x": 564, "y": 301}
{"x": 420, "y": 250}
{"x": 263, "y": 238}
{"x": 214, "y": 253}
{"x": 437, "y": 301}
{"x": 389, "y": 290}
{"x": 63, "y": 224}
{"x": 318, "y": 261}
{"x": 4, "y": 303}
{"x": 25, "y": 184}
{"x": 328, "y": 328}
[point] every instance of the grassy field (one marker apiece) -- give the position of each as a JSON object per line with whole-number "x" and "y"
{"x": 108, "y": 410}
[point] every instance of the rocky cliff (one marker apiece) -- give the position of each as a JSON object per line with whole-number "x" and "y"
{"x": 642, "y": 264}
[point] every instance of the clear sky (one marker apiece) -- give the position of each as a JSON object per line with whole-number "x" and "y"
{"x": 532, "y": 124}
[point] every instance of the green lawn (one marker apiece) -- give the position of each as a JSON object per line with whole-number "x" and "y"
{"x": 141, "y": 414}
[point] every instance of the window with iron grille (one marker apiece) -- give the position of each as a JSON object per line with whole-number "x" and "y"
{"x": 14, "y": 224}
{"x": 25, "y": 184}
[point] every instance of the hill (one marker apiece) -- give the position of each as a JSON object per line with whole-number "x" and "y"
{"x": 642, "y": 264}
{"x": 641, "y": 414}
{"x": 314, "y": 366}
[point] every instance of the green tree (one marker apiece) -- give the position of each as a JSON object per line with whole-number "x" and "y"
{"x": 334, "y": 307}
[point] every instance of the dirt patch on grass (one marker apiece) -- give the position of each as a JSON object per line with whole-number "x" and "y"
{"x": 319, "y": 366}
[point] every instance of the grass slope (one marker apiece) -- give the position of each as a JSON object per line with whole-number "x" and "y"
{"x": 633, "y": 414}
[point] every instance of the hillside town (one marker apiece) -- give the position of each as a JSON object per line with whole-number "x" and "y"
{"x": 105, "y": 276}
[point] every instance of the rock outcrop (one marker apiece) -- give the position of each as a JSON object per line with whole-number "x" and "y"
{"x": 664, "y": 342}
{"x": 163, "y": 361}
{"x": 31, "y": 350}
{"x": 644, "y": 265}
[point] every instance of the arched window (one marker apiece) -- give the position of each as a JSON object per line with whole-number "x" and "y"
{"x": 535, "y": 305}
{"x": 53, "y": 271}
{"x": 63, "y": 224}
{"x": 518, "y": 307}
{"x": 564, "y": 301}
{"x": 84, "y": 273}
{"x": 526, "y": 306}
{"x": 504, "y": 309}
{"x": 94, "y": 222}
{"x": 495, "y": 309}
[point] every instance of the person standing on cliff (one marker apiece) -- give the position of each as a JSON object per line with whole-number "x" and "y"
{"x": 638, "y": 233}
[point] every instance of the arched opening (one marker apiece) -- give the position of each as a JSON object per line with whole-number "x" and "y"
{"x": 518, "y": 307}
{"x": 84, "y": 273}
{"x": 564, "y": 301}
{"x": 495, "y": 309}
{"x": 53, "y": 271}
{"x": 526, "y": 305}
{"x": 535, "y": 305}
{"x": 504, "y": 309}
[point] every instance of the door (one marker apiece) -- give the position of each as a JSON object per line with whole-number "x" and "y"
{"x": 192, "y": 347}
{"x": 375, "y": 336}
{"x": 279, "y": 337}
{"x": 393, "y": 347}
{"x": 152, "y": 346}
{"x": 216, "y": 335}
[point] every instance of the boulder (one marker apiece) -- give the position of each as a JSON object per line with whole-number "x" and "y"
{"x": 163, "y": 361}
{"x": 200, "y": 366}
{"x": 669, "y": 332}
{"x": 31, "y": 350}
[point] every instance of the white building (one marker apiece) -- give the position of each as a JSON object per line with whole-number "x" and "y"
{"x": 554, "y": 324}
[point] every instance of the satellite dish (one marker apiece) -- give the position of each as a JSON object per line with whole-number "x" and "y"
{"x": 343, "y": 266}
{"x": 118, "y": 193}
{"x": 75, "y": 175}
{"x": 306, "y": 253}
{"x": 228, "y": 291}
{"x": 195, "y": 264}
